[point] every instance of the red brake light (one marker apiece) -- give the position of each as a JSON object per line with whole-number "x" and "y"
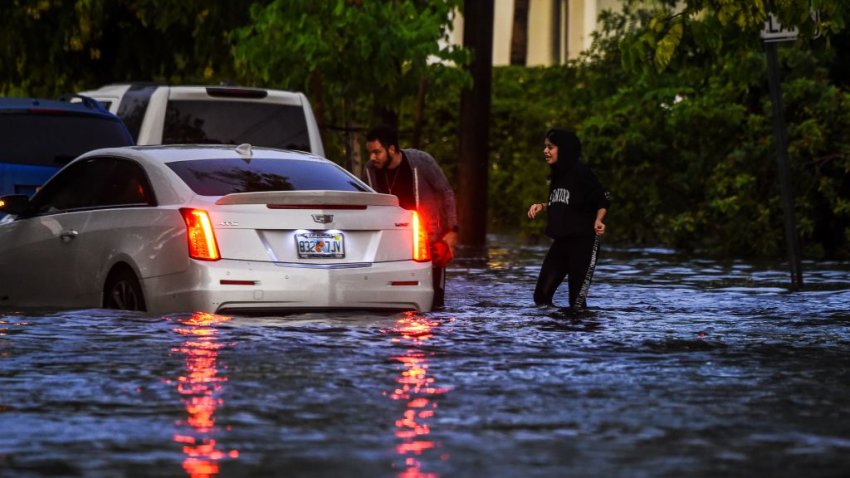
{"x": 421, "y": 251}
{"x": 200, "y": 234}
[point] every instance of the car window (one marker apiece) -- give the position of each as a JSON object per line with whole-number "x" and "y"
{"x": 95, "y": 183}
{"x": 49, "y": 139}
{"x": 231, "y": 122}
{"x": 126, "y": 184}
{"x": 219, "y": 177}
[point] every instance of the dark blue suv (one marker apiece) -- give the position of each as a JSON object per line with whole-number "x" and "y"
{"x": 37, "y": 137}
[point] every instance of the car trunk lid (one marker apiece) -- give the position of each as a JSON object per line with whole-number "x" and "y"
{"x": 312, "y": 227}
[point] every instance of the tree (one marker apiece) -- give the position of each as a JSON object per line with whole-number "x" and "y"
{"x": 361, "y": 60}
{"x": 656, "y": 43}
{"x": 690, "y": 116}
{"x": 53, "y": 47}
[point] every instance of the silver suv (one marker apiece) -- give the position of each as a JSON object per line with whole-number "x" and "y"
{"x": 161, "y": 114}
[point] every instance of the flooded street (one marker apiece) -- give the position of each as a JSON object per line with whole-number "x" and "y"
{"x": 681, "y": 367}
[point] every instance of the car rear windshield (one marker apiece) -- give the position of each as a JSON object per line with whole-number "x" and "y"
{"x": 230, "y": 122}
{"x": 54, "y": 139}
{"x": 219, "y": 177}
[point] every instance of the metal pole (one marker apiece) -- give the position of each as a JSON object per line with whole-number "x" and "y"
{"x": 781, "y": 142}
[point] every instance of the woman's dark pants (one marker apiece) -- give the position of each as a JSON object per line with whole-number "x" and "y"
{"x": 573, "y": 258}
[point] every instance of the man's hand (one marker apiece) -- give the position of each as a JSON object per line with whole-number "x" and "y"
{"x": 451, "y": 240}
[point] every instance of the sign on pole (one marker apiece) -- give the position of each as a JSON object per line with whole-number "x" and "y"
{"x": 772, "y": 34}
{"x": 773, "y": 31}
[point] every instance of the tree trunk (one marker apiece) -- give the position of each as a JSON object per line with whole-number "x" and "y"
{"x": 519, "y": 35}
{"x": 355, "y": 148}
{"x": 558, "y": 37}
{"x": 475, "y": 124}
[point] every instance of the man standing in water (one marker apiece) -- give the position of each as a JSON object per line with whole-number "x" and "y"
{"x": 417, "y": 180}
{"x": 576, "y": 208}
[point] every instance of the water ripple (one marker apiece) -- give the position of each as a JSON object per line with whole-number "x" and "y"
{"x": 680, "y": 366}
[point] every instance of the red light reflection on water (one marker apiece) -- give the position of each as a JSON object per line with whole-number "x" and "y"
{"x": 200, "y": 387}
{"x": 418, "y": 390}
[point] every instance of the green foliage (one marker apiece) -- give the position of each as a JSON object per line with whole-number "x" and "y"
{"x": 51, "y": 47}
{"x": 671, "y": 102}
{"x": 358, "y": 60}
{"x": 686, "y": 150}
{"x": 688, "y": 141}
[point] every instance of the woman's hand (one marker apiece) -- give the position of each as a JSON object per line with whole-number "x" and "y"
{"x": 535, "y": 209}
{"x": 599, "y": 227}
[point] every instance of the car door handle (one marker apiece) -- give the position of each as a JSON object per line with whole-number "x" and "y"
{"x": 68, "y": 236}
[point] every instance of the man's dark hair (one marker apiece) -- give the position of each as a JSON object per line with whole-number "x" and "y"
{"x": 386, "y": 134}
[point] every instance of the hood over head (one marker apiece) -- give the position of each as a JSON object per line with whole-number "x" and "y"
{"x": 569, "y": 148}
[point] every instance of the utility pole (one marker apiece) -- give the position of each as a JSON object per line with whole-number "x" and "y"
{"x": 475, "y": 124}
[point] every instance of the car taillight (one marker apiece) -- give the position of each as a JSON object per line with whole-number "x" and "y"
{"x": 200, "y": 234}
{"x": 421, "y": 251}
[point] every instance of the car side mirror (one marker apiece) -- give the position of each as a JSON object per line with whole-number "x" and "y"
{"x": 14, "y": 204}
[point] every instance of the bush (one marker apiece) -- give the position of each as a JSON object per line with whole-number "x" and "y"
{"x": 687, "y": 153}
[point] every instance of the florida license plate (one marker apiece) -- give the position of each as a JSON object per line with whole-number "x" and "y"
{"x": 320, "y": 245}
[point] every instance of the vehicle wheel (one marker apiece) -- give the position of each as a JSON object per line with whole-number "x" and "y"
{"x": 123, "y": 291}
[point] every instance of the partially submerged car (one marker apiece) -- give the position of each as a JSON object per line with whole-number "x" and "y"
{"x": 221, "y": 229}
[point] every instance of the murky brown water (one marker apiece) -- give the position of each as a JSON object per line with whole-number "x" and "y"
{"x": 682, "y": 367}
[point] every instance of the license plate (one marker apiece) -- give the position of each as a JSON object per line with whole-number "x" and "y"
{"x": 320, "y": 245}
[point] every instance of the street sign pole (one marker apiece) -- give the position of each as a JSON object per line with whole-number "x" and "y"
{"x": 773, "y": 34}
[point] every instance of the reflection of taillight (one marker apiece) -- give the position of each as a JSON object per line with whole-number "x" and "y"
{"x": 200, "y": 234}
{"x": 421, "y": 251}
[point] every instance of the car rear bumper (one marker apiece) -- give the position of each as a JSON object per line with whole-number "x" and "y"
{"x": 245, "y": 287}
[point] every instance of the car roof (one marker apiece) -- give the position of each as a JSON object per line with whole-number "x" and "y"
{"x": 234, "y": 91}
{"x": 13, "y": 105}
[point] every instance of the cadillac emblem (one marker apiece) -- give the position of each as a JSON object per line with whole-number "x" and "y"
{"x": 323, "y": 218}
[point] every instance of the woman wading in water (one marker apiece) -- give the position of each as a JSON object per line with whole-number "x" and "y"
{"x": 575, "y": 212}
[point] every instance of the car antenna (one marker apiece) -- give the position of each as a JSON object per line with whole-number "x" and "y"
{"x": 244, "y": 150}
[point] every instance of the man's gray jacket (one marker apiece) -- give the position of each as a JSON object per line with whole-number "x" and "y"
{"x": 435, "y": 199}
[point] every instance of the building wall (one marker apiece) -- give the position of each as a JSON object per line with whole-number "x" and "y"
{"x": 503, "y": 17}
{"x": 539, "y": 32}
{"x": 576, "y": 14}
{"x": 576, "y": 25}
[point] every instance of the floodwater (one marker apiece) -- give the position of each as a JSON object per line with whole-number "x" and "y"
{"x": 681, "y": 367}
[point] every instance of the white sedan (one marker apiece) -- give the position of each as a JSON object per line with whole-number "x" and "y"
{"x": 222, "y": 229}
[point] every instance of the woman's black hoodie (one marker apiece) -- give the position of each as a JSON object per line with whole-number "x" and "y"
{"x": 575, "y": 194}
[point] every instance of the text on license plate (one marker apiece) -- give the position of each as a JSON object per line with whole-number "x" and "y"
{"x": 313, "y": 245}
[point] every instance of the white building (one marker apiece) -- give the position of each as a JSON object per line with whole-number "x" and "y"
{"x": 558, "y": 30}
